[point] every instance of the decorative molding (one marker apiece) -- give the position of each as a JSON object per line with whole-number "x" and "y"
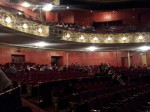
{"x": 136, "y": 37}
{"x": 16, "y": 22}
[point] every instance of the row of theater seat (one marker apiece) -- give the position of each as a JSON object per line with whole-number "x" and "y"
{"x": 128, "y": 99}
{"x": 32, "y": 78}
{"x": 45, "y": 91}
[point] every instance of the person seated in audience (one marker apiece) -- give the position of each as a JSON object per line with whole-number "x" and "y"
{"x": 55, "y": 67}
{"x": 5, "y": 82}
{"x": 65, "y": 68}
{"x": 42, "y": 68}
{"x": 131, "y": 67}
{"x": 148, "y": 67}
{"x": 3, "y": 68}
{"x": 11, "y": 69}
{"x": 114, "y": 78}
{"x": 119, "y": 79}
{"x": 144, "y": 66}
{"x": 60, "y": 68}
{"x": 27, "y": 68}
{"x": 50, "y": 68}
{"x": 32, "y": 68}
{"x": 110, "y": 73}
{"x": 46, "y": 67}
{"x": 90, "y": 72}
{"x": 21, "y": 69}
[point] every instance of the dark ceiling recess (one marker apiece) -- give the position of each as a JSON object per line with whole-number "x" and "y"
{"x": 107, "y": 4}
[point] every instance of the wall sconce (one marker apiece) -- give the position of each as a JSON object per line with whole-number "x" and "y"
{"x": 82, "y": 37}
{"x": 141, "y": 37}
{"x": 40, "y": 30}
{"x": 109, "y": 38}
{"x": 95, "y": 38}
{"x": 8, "y": 19}
{"x": 124, "y": 38}
{"x": 68, "y": 35}
{"x": 25, "y": 26}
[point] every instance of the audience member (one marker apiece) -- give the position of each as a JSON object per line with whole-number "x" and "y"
{"x": 11, "y": 69}
{"x": 119, "y": 79}
{"x": 5, "y": 82}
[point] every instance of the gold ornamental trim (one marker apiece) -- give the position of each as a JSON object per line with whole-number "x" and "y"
{"x": 136, "y": 37}
{"x": 14, "y": 21}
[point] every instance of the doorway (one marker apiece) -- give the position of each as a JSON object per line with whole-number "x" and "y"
{"x": 17, "y": 58}
{"x": 58, "y": 60}
{"x": 124, "y": 61}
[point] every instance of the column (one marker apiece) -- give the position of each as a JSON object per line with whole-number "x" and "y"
{"x": 129, "y": 61}
{"x": 67, "y": 54}
{"x": 144, "y": 58}
{"x": 117, "y": 58}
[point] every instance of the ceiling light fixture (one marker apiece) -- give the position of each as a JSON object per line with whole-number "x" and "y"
{"x": 144, "y": 48}
{"x": 92, "y": 48}
{"x": 48, "y": 7}
{"x": 25, "y": 4}
{"x": 40, "y": 44}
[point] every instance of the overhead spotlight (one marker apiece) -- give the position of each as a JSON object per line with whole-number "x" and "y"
{"x": 67, "y": 7}
{"x": 91, "y": 11}
{"x": 40, "y": 44}
{"x": 8, "y": 19}
{"x": 40, "y": 30}
{"x": 124, "y": 38}
{"x": 95, "y": 38}
{"x": 25, "y": 4}
{"x": 48, "y": 7}
{"x": 92, "y": 48}
{"x": 82, "y": 37}
{"x": 140, "y": 37}
{"x": 25, "y": 26}
{"x": 144, "y": 48}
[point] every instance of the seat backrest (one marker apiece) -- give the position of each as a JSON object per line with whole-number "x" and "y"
{"x": 10, "y": 100}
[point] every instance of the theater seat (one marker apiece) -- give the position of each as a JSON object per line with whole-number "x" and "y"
{"x": 23, "y": 109}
